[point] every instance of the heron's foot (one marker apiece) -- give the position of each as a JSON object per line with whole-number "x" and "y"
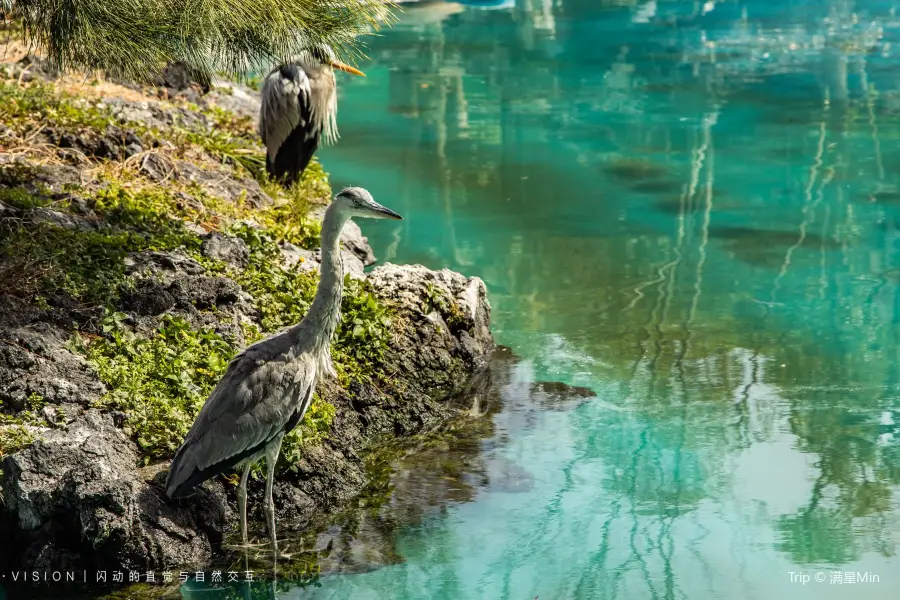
{"x": 284, "y": 555}
{"x": 233, "y": 479}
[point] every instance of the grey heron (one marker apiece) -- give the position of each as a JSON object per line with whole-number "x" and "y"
{"x": 267, "y": 388}
{"x": 298, "y": 108}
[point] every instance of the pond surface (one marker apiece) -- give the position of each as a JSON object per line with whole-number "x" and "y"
{"x": 691, "y": 209}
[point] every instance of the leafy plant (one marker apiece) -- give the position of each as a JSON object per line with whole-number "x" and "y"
{"x": 13, "y": 438}
{"x": 364, "y": 331}
{"x": 160, "y": 382}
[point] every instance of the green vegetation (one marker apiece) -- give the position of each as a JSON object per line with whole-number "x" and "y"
{"x": 226, "y": 138}
{"x": 24, "y": 105}
{"x": 19, "y": 197}
{"x": 138, "y": 38}
{"x": 89, "y": 265}
{"x": 160, "y": 381}
{"x": 282, "y": 295}
{"x": 14, "y": 437}
{"x": 437, "y": 299}
{"x": 363, "y": 334}
{"x": 314, "y": 428}
{"x": 14, "y": 432}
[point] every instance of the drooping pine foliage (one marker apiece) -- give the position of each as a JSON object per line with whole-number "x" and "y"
{"x": 136, "y": 39}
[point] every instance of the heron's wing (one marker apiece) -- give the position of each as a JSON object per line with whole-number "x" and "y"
{"x": 286, "y": 124}
{"x": 258, "y": 396}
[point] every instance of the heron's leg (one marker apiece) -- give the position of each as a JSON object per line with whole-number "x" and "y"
{"x": 242, "y": 502}
{"x": 272, "y": 451}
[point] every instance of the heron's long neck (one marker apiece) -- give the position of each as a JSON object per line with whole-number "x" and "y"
{"x": 325, "y": 313}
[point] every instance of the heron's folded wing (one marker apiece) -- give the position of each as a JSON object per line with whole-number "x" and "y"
{"x": 253, "y": 401}
{"x": 285, "y": 106}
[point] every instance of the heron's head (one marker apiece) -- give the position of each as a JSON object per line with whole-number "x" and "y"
{"x": 322, "y": 56}
{"x": 358, "y": 202}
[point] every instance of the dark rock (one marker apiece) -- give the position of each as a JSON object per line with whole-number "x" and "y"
{"x": 74, "y": 497}
{"x": 204, "y": 292}
{"x": 33, "y": 67}
{"x": 226, "y": 248}
{"x": 179, "y": 77}
{"x": 34, "y": 360}
{"x": 155, "y": 262}
{"x": 148, "y": 297}
{"x": 218, "y": 183}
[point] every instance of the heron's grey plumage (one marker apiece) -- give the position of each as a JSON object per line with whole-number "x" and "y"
{"x": 298, "y": 108}
{"x": 268, "y": 387}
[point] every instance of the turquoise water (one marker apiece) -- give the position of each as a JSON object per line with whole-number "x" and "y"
{"x": 693, "y": 210}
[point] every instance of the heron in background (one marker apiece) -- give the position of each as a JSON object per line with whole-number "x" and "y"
{"x": 299, "y": 107}
{"x": 268, "y": 387}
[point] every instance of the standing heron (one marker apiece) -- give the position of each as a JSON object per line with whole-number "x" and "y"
{"x": 299, "y": 106}
{"x": 268, "y": 387}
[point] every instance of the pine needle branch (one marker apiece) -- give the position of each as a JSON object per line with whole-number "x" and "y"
{"x": 137, "y": 39}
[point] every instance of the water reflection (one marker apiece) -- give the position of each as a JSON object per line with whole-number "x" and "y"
{"x": 689, "y": 208}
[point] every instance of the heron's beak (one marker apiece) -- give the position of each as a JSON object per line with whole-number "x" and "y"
{"x": 345, "y": 67}
{"x": 385, "y": 213}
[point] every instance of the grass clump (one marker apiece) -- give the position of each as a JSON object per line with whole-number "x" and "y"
{"x": 227, "y": 138}
{"x": 14, "y": 432}
{"x": 14, "y": 437}
{"x": 22, "y": 199}
{"x": 22, "y": 106}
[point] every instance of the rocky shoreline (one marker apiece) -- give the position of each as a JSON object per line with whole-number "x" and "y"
{"x": 127, "y": 235}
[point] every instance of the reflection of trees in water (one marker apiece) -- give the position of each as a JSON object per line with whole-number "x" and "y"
{"x": 418, "y": 480}
{"x": 484, "y": 106}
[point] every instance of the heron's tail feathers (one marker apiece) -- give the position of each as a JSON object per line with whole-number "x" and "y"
{"x": 176, "y": 478}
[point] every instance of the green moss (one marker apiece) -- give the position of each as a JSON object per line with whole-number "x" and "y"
{"x": 160, "y": 382}
{"x": 227, "y": 137}
{"x": 89, "y": 265}
{"x": 19, "y": 197}
{"x": 437, "y": 299}
{"x": 21, "y": 106}
{"x": 149, "y": 213}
